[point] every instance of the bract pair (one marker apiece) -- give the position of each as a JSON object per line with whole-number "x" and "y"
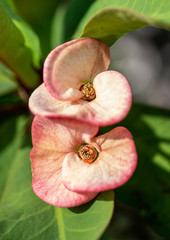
{"x": 68, "y": 70}
{"x": 70, "y": 165}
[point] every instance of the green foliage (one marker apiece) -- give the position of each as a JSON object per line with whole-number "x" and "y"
{"x": 39, "y": 14}
{"x": 23, "y": 215}
{"x": 76, "y": 9}
{"x": 58, "y": 26}
{"x": 11, "y": 132}
{"x": 108, "y": 20}
{"x": 19, "y": 46}
{"x": 7, "y": 80}
{"x": 148, "y": 191}
{"x": 64, "y": 24}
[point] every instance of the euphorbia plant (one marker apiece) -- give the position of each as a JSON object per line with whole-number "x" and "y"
{"x": 77, "y": 85}
{"x": 71, "y": 166}
{"x": 78, "y": 95}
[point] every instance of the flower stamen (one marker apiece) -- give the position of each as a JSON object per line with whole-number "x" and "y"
{"x": 88, "y": 91}
{"x": 87, "y": 153}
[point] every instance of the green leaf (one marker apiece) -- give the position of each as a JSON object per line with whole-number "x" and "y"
{"x": 64, "y": 24}
{"x": 78, "y": 10}
{"x": 39, "y": 15}
{"x": 19, "y": 46}
{"x": 87, "y": 221}
{"x": 108, "y": 20}
{"x": 58, "y": 27}
{"x": 11, "y": 132}
{"x": 24, "y": 216}
{"x": 7, "y": 80}
{"x": 148, "y": 191}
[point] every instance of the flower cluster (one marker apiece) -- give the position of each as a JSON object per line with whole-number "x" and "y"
{"x": 70, "y": 164}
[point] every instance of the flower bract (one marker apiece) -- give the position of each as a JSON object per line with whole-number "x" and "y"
{"x": 62, "y": 174}
{"x": 77, "y": 85}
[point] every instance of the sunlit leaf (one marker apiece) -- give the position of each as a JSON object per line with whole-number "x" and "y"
{"x": 108, "y": 20}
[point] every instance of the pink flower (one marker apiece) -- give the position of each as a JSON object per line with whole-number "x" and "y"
{"x": 77, "y": 85}
{"x": 70, "y": 166}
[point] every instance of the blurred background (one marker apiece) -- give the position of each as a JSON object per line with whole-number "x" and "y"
{"x": 143, "y": 56}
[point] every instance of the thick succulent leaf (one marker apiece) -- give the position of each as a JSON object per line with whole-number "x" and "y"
{"x": 19, "y": 46}
{"x": 148, "y": 191}
{"x": 25, "y": 216}
{"x": 109, "y": 20}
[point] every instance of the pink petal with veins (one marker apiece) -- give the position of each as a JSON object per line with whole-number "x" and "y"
{"x": 43, "y": 104}
{"x": 52, "y": 140}
{"x": 112, "y": 103}
{"x": 113, "y": 99}
{"x": 47, "y": 180}
{"x": 114, "y": 166}
{"x": 72, "y": 63}
{"x": 61, "y": 135}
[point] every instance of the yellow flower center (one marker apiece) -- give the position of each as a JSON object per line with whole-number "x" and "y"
{"x": 88, "y": 91}
{"x": 87, "y": 153}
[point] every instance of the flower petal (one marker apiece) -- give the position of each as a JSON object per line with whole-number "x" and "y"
{"x": 109, "y": 107}
{"x": 61, "y": 135}
{"x": 43, "y": 104}
{"x": 71, "y": 63}
{"x": 113, "y": 98}
{"x": 47, "y": 180}
{"x": 113, "y": 167}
